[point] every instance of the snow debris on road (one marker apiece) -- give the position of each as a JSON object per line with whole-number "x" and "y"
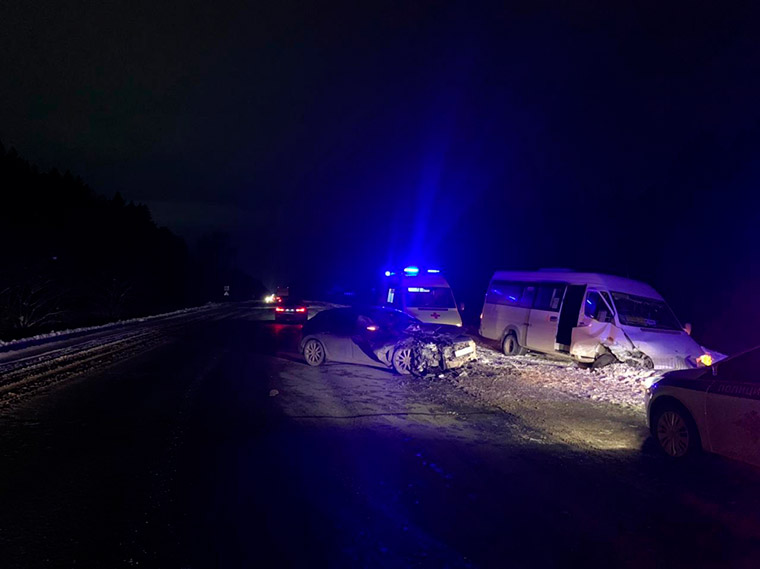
{"x": 497, "y": 379}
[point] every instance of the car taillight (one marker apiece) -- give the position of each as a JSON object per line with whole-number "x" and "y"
{"x": 279, "y": 309}
{"x": 300, "y": 309}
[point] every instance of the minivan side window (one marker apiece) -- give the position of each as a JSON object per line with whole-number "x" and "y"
{"x": 510, "y": 294}
{"x": 549, "y": 296}
{"x": 596, "y": 308}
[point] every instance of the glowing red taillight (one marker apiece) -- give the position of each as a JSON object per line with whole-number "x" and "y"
{"x": 279, "y": 309}
{"x": 300, "y": 309}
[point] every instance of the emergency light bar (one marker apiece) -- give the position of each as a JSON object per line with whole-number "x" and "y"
{"x": 412, "y": 271}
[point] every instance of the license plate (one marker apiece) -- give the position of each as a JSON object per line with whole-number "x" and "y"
{"x": 463, "y": 351}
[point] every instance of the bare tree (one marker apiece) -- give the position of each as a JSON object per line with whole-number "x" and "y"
{"x": 114, "y": 298}
{"x": 35, "y": 303}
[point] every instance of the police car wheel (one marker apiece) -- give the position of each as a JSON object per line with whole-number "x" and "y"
{"x": 675, "y": 432}
{"x": 402, "y": 360}
{"x": 510, "y": 346}
{"x": 314, "y": 352}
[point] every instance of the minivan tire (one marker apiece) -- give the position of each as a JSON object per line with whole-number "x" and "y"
{"x": 510, "y": 346}
{"x": 603, "y": 361}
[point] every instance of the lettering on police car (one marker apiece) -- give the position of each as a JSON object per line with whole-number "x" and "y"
{"x": 745, "y": 390}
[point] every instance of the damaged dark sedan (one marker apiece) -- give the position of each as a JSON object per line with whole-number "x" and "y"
{"x": 384, "y": 337}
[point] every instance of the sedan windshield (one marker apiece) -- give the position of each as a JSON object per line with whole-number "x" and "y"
{"x": 429, "y": 297}
{"x": 644, "y": 312}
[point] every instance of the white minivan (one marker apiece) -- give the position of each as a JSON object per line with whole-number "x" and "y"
{"x": 592, "y": 318}
{"x": 422, "y": 293}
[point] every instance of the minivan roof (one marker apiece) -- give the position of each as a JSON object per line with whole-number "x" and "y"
{"x": 606, "y": 282}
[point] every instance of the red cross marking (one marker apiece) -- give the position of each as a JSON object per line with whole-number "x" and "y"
{"x": 435, "y": 315}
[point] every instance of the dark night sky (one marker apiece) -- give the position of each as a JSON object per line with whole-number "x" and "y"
{"x": 339, "y": 139}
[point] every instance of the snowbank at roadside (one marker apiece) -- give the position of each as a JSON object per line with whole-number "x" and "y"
{"x": 20, "y": 342}
{"x": 498, "y": 379}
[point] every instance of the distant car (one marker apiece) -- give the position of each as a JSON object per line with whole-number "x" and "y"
{"x": 291, "y": 310}
{"x": 384, "y": 337}
{"x": 715, "y": 408}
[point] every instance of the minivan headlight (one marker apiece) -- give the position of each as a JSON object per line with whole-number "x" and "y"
{"x": 705, "y": 360}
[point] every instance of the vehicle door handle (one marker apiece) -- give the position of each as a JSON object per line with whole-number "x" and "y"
{"x": 552, "y": 318}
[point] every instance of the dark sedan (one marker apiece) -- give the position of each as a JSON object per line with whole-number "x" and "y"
{"x": 384, "y": 337}
{"x": 291, "y": 310}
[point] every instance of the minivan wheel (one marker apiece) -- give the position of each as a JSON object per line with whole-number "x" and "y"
{"x": 603, "y": 361}
{"x": 510, "y": 346}
{"x": 675, "y": 432}
{"x": 314, "y": 352}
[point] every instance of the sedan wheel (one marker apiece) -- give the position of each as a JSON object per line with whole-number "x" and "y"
{"x": 674, "y": 432}
{"x": 402, "y": 360}
{"x": 314, "y": 352}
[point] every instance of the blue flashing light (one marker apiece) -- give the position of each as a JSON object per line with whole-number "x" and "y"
{"x": 388, "y": 273}
{"x": 411, "y": 271}
{"x": 435, "y": 271}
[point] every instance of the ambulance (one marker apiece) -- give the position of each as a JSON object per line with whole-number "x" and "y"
{"x": 422, "y": 293}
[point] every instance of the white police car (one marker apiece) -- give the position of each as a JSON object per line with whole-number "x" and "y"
{"x": 714, "y": 408}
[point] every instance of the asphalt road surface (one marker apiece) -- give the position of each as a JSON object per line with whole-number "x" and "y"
{"x": 218, "y": 447}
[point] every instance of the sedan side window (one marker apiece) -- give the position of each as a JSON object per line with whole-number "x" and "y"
{"x": 744, "y": 368}
{"x": 343, "y": 323}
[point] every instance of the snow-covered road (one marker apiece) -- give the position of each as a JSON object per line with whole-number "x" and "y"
{"x": 30, "y": 365}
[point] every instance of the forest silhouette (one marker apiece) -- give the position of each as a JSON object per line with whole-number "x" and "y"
{"x": 71, "y": 257}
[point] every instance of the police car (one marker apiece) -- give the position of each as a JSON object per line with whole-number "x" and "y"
{"x": 715, "y": 408}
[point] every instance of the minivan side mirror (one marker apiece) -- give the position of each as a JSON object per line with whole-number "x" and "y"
{"x": 687, "y": 328}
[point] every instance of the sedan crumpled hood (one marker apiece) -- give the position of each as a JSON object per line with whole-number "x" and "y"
{"x": 444, "y": 332}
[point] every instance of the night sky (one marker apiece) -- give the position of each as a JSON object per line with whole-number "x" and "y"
{"x": 334, "y": 141}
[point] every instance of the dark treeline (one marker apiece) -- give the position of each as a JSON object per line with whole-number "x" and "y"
{"x": 71, "y": 257}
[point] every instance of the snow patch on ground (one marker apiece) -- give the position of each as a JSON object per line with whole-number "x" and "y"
{"x": 498, "y": 379}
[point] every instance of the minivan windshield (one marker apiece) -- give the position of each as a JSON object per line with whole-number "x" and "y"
{"x": 644, "y": 312}
{"x": 429, "y": 297}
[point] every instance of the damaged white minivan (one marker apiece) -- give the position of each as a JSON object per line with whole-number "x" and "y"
{"x": 593, "y": 318}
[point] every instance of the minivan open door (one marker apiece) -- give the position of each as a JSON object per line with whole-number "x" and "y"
{"x": 569, "y": 315}
{"x": 544, "y": 317}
